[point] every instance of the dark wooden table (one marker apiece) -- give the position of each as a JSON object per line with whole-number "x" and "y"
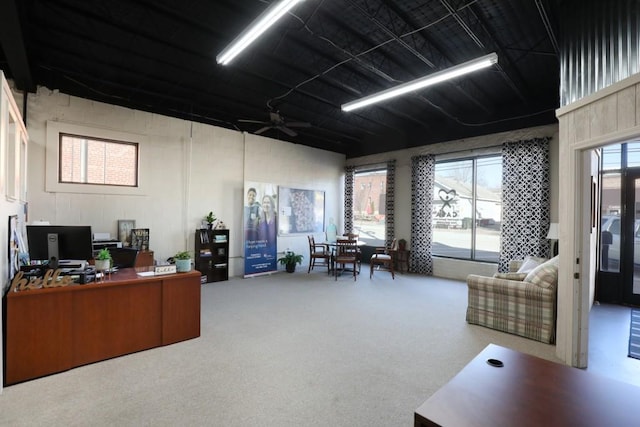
{"x": 529, "y": 391}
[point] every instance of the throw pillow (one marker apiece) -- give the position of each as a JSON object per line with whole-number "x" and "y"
{"x": 529, "y": 263}
{"x": 510, "y": 276}
{"x": 545, "y": 275}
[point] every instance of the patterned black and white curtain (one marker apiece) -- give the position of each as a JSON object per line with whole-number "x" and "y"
{"x": 422, "y": 181}
{"x": 525, "y": 200}
{"x": 390, "y": 202}
{"x": 349, "y": 173}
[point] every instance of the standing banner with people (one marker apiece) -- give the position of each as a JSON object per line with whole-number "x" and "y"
{"x": 260, "y": 228}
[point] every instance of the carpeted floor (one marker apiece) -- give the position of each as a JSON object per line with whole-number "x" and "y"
{"x": 283, "y": 350}
{"x": 634, "y": 334}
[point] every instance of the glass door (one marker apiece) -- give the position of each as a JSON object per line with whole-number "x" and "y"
{"x": 618, "y": 278}
{"x": 631, "y": 291}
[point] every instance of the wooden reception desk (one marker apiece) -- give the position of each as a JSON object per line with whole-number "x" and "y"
{"x": 54, "y": 329}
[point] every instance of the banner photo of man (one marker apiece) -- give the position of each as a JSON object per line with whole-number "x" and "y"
{"x": 260, "y": 228}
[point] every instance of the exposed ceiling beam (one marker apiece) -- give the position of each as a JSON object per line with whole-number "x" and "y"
{"x": 465, "y": 88}
{"x": 510, "y": 74}
{"x": 547, "y": 25}
{"x": 13, "y": 45}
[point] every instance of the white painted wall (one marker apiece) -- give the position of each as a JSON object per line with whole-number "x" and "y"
{"x": 188, "y": 169}
{"x": 9, "y": 206}
{"x": 194, "y": 168}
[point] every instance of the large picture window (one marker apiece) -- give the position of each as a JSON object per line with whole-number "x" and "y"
{"x": 85, "y": 160}
{"x": 467, "y": 208}
{"x": 369, "y": 202}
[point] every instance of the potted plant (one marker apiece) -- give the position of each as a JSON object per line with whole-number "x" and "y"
{"x": 103, "y": 260}
{"x": 289, "y": 260}
{"x": 183, "y": 261}
{"x": 210, "y": 218}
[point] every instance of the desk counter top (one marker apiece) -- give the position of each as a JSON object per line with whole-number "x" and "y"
{"x": 528, "y": 391}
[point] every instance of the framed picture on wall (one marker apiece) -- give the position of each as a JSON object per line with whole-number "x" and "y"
{"x": 124, "y": 231}
{"x": 300, "y": 211}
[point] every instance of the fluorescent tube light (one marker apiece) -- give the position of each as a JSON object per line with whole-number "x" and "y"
{"x": 422, "y": 82}
{"x": 253, "y": 31}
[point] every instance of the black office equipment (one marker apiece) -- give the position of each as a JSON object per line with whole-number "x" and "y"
{"x": 60, "y": 243}
{"x": 123, "y": 257}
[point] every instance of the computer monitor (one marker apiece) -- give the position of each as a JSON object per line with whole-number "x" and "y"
{"x": 62, "y": 242}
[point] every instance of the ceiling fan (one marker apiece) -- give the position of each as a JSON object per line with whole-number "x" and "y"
{"x": 276, "y": 121}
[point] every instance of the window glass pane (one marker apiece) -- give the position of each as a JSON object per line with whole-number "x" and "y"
{"x": 13, "y": 172}
{"x": 610, "y": 223}
{"x": 452, "y": 209}
{"x": 94, "y": 161}
{"x": 612, "y": 157}
{"x": 488, "y": 208}
{"x": 633, "y": 154}
{"x": 369, "y": 202}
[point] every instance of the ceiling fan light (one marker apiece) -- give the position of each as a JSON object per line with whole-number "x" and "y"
{"x": 253, "y": 31}
{"x": 422, "y": 82}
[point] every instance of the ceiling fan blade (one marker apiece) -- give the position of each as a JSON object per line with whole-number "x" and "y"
{"x": 288, "y": 131}
{"x": 252, "y": 121}
{"x": 298, "y": 124}
{"x": 261, "y": 130}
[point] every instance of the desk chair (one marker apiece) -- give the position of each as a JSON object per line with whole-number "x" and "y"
{"x": 383, "y": 257}
{"x": 318, "y": 252}
{"x": 346, "y": 253}
{"x": 123, "y": 257}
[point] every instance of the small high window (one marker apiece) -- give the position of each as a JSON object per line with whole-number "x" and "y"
{"x": 85, "y": 160}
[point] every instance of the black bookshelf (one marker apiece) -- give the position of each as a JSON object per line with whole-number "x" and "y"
{"x": 212, "y": 254}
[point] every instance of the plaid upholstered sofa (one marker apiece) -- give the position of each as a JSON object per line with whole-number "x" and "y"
{"x": 521, "y": 302}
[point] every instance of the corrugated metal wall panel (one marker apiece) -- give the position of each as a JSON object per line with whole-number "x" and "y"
{"x": 600, "y": 45}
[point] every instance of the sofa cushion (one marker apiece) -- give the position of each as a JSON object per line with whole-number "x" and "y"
{"x": 529, "y": 263}
{"x": 545, "y": 275}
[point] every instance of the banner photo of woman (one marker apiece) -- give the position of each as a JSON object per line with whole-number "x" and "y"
{"x": 260, "y": 228}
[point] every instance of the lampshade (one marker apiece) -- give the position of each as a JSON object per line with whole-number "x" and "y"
{"x": 422, "y": 82}
{"x": 553, "y": 231}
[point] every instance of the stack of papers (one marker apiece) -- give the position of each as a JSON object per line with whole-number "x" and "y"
{"x": 146, "y": 273}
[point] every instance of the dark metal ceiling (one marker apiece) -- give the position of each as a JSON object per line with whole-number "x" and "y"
{"x": 159, "y": 56}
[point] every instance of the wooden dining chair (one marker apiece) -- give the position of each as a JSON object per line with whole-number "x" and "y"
{"x": 383, "y": 257}
{"x": 318, "y": 253}
{"x": 356, "y": 236}
{"x": 346, "y": 253}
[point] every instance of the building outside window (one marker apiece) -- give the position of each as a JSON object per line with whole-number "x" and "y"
{"x": 85, "y": 160}
{"x": 467, "y": 208}
{"x": 369, "y": 202}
